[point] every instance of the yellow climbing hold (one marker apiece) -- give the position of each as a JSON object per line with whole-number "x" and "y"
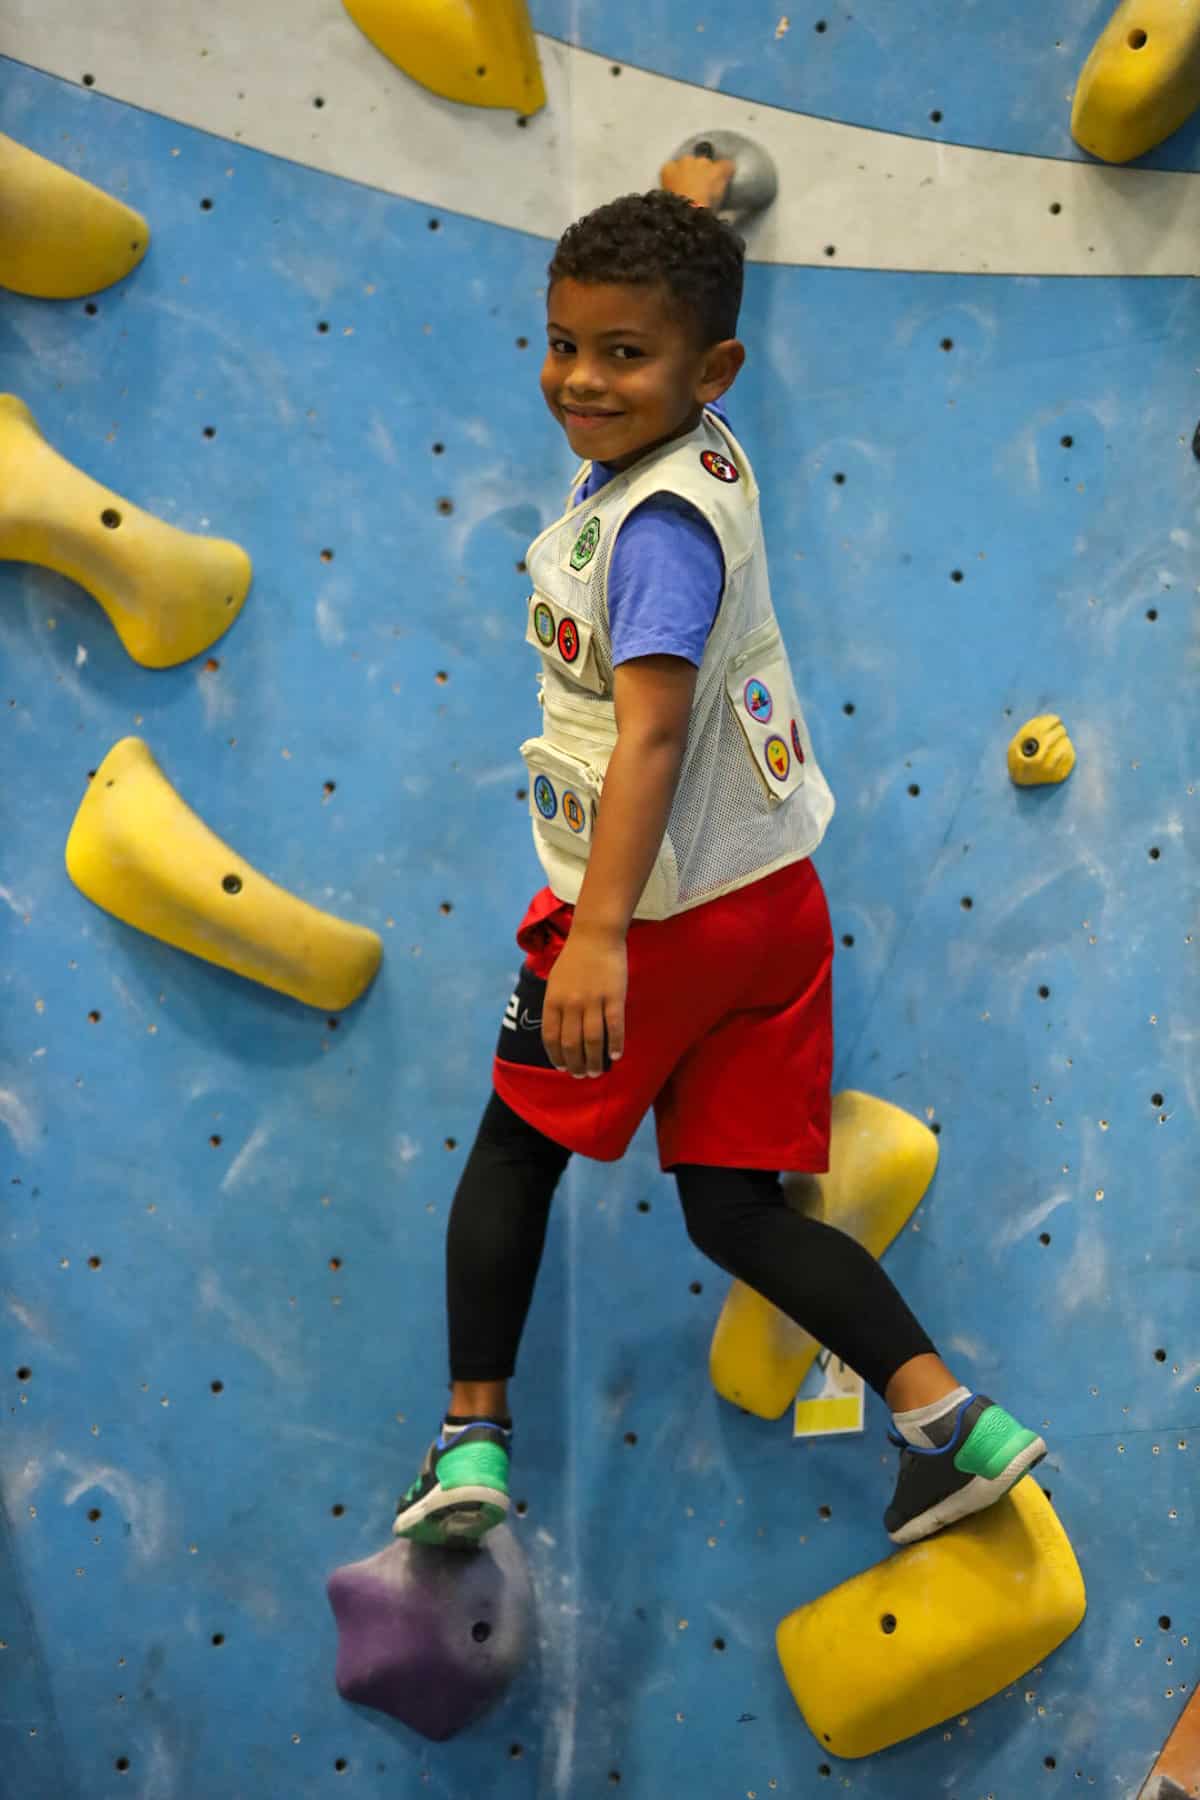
{"x": 139, "y": 851}
{"x": 169, "y": 593}
{"x": 881, "y": 1161}
{"x": 482, "y": 52}
{"x": 1141, "y": 80}
{"x": 935, "y": 1630}
{"x": 60, "y": 237}
{"x": 1041, "y": 752}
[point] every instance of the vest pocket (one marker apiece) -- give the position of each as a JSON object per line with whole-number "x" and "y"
{"x": 564, "y": 797}
{"x": 760, "y": 689}
{"x": 566, "y": 642}
{"x": 564, "y": 792}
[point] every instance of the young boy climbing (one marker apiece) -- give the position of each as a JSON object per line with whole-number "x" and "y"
{"x": 680, "y": 956}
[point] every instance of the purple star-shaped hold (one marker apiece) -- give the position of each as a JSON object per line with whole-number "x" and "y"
{"x": 432, "y": 1636}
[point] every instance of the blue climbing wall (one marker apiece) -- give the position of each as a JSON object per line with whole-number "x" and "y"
{"x": 220, "y": 1288}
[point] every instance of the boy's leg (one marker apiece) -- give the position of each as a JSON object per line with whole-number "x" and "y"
{"x": 819, "y": 1276}
{"x": 960, "y": 1452}
{"x": 494, "y": 1244}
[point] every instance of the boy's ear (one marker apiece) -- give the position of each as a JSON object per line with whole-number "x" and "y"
{"x": 722, "y": 365}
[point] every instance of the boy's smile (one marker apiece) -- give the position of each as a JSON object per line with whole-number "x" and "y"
{"x": 623, "y": 373}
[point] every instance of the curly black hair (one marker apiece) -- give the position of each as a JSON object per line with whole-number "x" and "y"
{"x": 661, "y": 238}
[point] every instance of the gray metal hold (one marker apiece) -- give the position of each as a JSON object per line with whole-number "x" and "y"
{"x": 755, "y": 181}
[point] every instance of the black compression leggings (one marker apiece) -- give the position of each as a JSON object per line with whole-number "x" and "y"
{"x": 739, "y": 1217}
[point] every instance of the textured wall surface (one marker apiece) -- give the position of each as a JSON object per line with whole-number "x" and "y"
{"x": 980, "y": 501}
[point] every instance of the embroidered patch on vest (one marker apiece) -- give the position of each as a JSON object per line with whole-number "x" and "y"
{"x": 573, "y": 811}
{"x": 568, "y": 640}
{"x": 585, "y": 545}
{"x": 778, "y": 759}
{"x": 720, "y": 466}
{"x": 759, "y": 703}
{"x": 797, "y": 746}
{"x": 543, "y": 623}
{"x": 544, "y": 797}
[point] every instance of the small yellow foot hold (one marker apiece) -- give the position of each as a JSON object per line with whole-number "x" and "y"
{"x": 1141, "y": 81}
{"x": 881, "y": 1161}
{"x": 139, "y": 851}
{"x": 1041, "y": 752}
{"x": 60, "y": 237}
{"x": 482, "y": 52}
{"x": 935, "y": 1630}
{"x": 169, "y": 593}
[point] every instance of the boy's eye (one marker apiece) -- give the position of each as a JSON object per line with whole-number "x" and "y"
{"x": 564, "y": 347}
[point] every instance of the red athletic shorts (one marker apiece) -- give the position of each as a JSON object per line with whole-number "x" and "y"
{"x": 728, "y": 1033}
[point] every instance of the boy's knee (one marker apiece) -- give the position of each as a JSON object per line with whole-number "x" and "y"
{"x": 504, "y": 1133}
{"x": 716, "y": 1203}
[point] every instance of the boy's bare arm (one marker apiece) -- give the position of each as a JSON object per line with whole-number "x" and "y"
{"x": 586, "y": 993}
{"x": 653, "y": 700}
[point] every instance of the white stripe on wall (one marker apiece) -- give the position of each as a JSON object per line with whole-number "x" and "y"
{"x": 250, "y": 70}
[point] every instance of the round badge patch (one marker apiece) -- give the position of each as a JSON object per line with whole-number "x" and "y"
{"x": 573, "y": 811}
{"x": 543, "y": 624}
{"x": 797, "y": 746}
{"x": 720, "y": 466}
{"x": 544, "y": 797}
{"x": 568, "y": 640}
{"x": 759, "y": 703}
{"x": 778, "y": 757}
{"x": 585, "y": 545}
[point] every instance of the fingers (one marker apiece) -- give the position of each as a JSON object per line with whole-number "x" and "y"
{"x": 552, "y": 1020}
{"x": 593, "y": 1039}
{"x": 574, "y": 1036}
{"x": 614, "y": 1024}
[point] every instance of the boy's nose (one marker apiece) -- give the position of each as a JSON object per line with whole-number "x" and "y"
{"x": 592, "y": 399}
{"x": 583, "y": 383}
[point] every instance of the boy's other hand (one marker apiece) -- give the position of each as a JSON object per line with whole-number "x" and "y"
{"x": 699, "y": 179}
{"x": 585, "y": 999}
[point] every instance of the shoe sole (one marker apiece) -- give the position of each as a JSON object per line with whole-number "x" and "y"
{"x": 457, "y": 1518}
{"x": 975, "y": 1497}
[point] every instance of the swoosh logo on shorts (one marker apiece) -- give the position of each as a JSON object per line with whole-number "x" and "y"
{"x": 528, "y": 1024}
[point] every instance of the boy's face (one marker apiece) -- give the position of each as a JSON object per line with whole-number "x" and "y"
{"x": 623, "y": 373}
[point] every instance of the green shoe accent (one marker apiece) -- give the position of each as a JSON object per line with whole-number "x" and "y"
{"x": 991, "y": 1446}
{"x": 474, "y": 1465}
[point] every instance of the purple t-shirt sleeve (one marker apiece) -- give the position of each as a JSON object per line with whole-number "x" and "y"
{"x": 664, "y": 582}
{"x": 665, "y": 579}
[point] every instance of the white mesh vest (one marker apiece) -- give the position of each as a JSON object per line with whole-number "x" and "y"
{"x": 751, "y": 797}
